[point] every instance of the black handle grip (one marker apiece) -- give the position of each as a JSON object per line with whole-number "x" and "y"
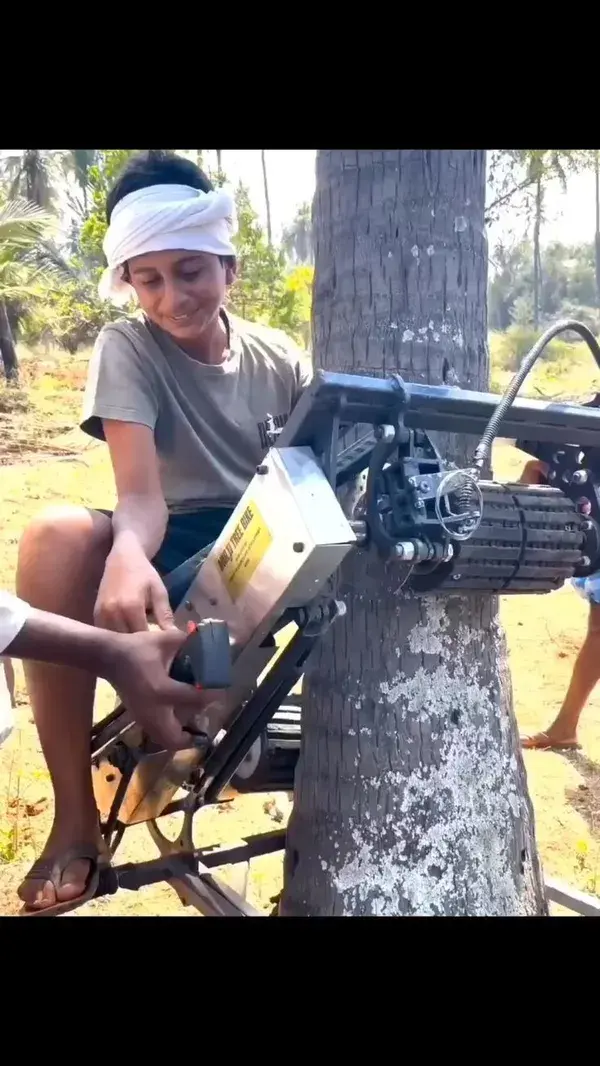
{"x": 205, "y": 658}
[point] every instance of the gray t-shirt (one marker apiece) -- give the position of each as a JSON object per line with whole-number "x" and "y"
{"x": 210, "y": 422}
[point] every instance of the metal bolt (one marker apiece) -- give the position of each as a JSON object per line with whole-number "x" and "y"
{"x": 456, "y": 577}
{"x": 262, "y": 469}
{"x": 298, "y": 546}
{"x": 420, "y": 505}
{"x": 580, "y": 476}
{"x": 405, "y": 550}
{"x": 425, "y": 486}
{"x": 412, "y": 481}
{"x": 385, "y": 433}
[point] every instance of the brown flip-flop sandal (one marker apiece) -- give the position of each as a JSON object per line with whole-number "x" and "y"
{"x": 53, "y": 869}
{"x": 542, "y": 742}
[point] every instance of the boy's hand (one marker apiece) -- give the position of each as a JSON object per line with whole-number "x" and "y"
{"x": 131, "y": 587}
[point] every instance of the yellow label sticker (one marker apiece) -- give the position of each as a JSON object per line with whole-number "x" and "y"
{"x": 244, "y": 550}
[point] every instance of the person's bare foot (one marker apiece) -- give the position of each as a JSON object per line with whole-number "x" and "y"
{"x": 552, "y": 739}
{"x": 40, "y": 893}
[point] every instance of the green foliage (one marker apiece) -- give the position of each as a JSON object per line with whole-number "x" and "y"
{"x": 518, "y": 170}
{"x": 30, "y": 175}
{"x": 297, "y": 238}
{"x": 23, "y": 226}
{"x": 509, "y": 348}
{"x": 264, "y": 291}
{"x": 109, "y": 163}
{"x": 68, "y": 317}
{"x": 567, "y": 285}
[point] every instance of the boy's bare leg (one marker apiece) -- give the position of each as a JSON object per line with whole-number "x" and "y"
{"x": 586, "y": 674}
{"x": 62, "y": 556}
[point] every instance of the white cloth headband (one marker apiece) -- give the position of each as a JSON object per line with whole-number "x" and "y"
{"x": 165, "y": 218}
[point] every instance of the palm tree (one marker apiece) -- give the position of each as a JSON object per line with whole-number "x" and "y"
{"x": 23, "y": 226}
{"x": 30, "y": 176}
{"x": 297, "y": 238}
{"x": 267, "y": 201}
{"x": 78, "y": 162}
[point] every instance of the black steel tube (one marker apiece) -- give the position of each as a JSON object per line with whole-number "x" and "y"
{"x": 378, "y": 400}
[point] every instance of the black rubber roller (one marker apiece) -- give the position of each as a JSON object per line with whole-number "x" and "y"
{"x": 271, "y": 765}
{"x": 530, "y": 540}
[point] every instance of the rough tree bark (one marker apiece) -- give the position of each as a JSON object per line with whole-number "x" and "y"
{"x": 8, "y": 351}
{"x": 411, "y": 793}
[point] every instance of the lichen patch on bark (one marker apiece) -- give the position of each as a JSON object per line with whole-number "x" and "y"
{"x": 455, "y": 817}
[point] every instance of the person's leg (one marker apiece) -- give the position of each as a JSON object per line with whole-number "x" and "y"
{"x": 62, "y": 555}
{"x": 586, "y": 674}
{"x": 9, "y": 673}
{"x": 75, "y": 542}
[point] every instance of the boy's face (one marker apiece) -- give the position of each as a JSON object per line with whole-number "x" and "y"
{"x": 182, "y": 292}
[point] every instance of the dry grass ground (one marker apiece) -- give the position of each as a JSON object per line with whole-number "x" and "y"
{"x": 43, "y": 460}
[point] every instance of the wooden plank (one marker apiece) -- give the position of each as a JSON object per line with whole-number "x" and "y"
{"x": 580, "y": 902}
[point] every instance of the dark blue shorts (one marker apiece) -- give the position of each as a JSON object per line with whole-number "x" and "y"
{"x": 186, "y": 535}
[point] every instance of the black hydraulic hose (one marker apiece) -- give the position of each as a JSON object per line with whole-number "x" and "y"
{"x": 484, "y": 448}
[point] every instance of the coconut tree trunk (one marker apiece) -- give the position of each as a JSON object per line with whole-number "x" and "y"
{"x": 411, "y": 794}
{"x": 267, "y": 201}
{"x": 8, "y": 350}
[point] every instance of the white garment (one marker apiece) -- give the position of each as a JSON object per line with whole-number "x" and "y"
{"x": 13, "y": 615}
{"x": 165, "y": 218}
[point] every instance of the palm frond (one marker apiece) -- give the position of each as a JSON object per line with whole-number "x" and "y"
{"x": 46, "y": 258}
{"x": 22, "y": 222}
{"x": 19, "y": 282}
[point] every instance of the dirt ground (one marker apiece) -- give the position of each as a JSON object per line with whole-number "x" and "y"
{"x": 44, "y": 461}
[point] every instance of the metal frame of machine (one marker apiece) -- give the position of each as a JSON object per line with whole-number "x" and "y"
{"x": 272, "y": 566}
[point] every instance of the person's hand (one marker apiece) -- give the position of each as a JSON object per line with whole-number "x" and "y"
{"x": 129, "y": 588}
{"x": 534, "y": 473}
{"x": 138, "y": 667}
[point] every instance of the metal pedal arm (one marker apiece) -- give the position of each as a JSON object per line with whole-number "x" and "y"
{"x": 192, "y": 871}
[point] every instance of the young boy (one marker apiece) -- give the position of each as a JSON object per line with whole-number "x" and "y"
{"x": 182, "y": 393}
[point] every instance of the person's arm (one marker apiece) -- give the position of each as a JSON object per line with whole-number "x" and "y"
{"x": 140, "y": 517}
{"x": 136, "y": 664}
{"x": 130, "y": 585}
